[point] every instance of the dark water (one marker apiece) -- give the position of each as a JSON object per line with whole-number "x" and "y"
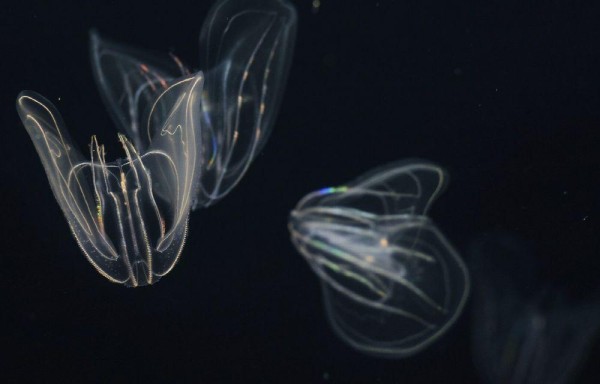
{"x": 506, "y": 97}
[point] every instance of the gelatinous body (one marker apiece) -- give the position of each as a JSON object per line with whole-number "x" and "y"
{"x": 188, "y": 137}
{"x": 392, "y": 283}
{"x": 130, "y": 216}
{"x": 245, "y": 50}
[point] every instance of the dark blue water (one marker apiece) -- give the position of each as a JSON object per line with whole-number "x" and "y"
{"x": 506, "y": 97}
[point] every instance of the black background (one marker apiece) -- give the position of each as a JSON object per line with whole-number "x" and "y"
{"x": 506, "y": 97}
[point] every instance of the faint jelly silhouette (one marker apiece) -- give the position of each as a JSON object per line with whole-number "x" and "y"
{"x": 526, "y": 329}
{"x": 392, "y": 283}
{"x": 185, "y": 144}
